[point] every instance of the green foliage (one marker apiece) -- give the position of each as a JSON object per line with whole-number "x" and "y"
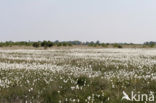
{"x": 47, "y": 44}
{"x": 64, "y": 44}
{"x": 36, "y": 44}
{"x": 59, "y": 44}
{"x": 104, "y": 45}
{"x": 47, "y": 86}
{"x": 117, "y": 45}
{"x": 69, "y": 44}
{"x": 1, "y": 44}
{"x": 150, "y": 44}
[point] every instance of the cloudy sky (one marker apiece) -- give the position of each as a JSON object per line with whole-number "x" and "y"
{"x": 85, "y": 20}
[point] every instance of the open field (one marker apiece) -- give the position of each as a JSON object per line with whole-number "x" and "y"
{"x": 76, "y": 75}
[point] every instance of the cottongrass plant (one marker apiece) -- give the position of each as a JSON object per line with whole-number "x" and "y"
{"x": 75, "y": 75}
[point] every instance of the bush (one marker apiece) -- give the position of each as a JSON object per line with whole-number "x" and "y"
{"x": 64, "y": 44}
{"x": 69, "y": 44}
{"x": 104, "y": 45}
{"x": 59, "y": 44}
{"x": 1, "y": 45}
{"x": 50, "y": 44}
{"x": 46, "y": 44}
{"x": 119, "y": 46}
{"x": 36, "y": 44}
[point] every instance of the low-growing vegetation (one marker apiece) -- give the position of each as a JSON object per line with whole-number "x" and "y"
{"x": 76, "y": 75}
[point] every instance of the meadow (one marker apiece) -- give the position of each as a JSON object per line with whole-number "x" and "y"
{"x": 76, "y": 75}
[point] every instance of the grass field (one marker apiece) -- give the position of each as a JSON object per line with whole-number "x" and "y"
{"x": 76, "y": 75}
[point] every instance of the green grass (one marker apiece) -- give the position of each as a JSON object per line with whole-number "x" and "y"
{"x": 45, "y": 87}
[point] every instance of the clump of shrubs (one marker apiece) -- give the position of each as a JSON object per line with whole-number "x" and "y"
{"x": 57, "y": 43}
{"x": 36, "y": 44}
{"x": 104, "y": 45}
{"x": 49, "y": 44}
{"x": 117, "y": 45}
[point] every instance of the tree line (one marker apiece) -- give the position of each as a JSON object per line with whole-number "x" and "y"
{"x": 40, "y": 43}
{"x": 150, "y": 44}
{"x": 57, "y": 43}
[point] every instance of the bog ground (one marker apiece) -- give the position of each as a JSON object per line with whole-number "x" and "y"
{"x": 76, "y": 75}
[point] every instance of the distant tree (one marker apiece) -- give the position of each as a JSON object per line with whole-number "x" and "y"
{"x": 120, "y": 46}
{"x": 64, "y": 44}
{"x": 86, "y": 43}
{"x": 104, "y": 45}
{"x": 91, "y": 43}
{"x": 116, "y": 45}
{"x": 44, "y": 43}
{"x": 69, "y": 44}
{"x": 1, "y": 44}
{"x": 150, "y": 44}
{"x": 50, "y": 44}
{"x": 73, "y": 42}
{"x": 36, "y": 44}
{"x": 59, "y": 44}
{"x": 107, "y": 43}
{"x": 97, "y": 42}
{"x": 57, "y": 41}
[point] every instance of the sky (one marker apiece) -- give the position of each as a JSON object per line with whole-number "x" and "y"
{"x": 85, "y": 20}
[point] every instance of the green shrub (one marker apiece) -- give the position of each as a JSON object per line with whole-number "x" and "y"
{"x": 36, "y": 44}
{"x": 119, "y": 46}
{"x": 104, "y": 45}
